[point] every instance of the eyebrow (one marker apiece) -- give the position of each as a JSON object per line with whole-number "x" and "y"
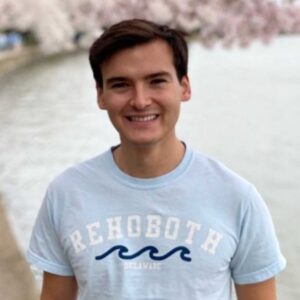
{"x": 111, "y": 80}
{"x": 158, "y": 74}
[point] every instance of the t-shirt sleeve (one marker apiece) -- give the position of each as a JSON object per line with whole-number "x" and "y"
{"x": 45, "y": 249}
{"x": 258, "y": 256}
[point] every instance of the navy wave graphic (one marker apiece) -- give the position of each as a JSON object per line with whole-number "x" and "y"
{"x": 153, "y": 253}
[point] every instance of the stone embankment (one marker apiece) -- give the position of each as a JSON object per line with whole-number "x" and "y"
{"x": 16, "y": 280}
{"x": 12, "y": 59}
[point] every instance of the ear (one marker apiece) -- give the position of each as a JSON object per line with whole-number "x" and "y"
{"x": 100, "y": 100}
{"x": 186, "y": 88}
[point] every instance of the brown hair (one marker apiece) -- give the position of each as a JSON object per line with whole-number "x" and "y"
{"x": 130, "y": 33}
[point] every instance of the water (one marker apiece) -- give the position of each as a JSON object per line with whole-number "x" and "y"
{"x": 244, "y": 111}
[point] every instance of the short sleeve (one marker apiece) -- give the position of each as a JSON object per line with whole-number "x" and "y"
{"x": 258, "y": 256}
{"x": 45, "y": 250}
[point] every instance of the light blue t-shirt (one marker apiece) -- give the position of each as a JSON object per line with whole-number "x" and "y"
{"x": 183, "y": 235}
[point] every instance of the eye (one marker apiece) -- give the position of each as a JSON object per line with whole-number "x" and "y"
{"x": 119, "y": 85}
{"x": 158, "y": 81}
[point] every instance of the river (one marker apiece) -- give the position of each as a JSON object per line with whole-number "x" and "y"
{"x": 244, "y": 111}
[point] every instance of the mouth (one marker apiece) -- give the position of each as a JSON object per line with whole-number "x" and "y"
{"x": 146, "y": 118}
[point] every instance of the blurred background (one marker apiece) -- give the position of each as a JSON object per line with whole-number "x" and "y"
{"x": 245, "y": 74}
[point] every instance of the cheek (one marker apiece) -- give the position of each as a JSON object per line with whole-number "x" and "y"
{"x": 114, "y": 120}
{"x": 112, "y": 104}
{"x": 116, "y": 102}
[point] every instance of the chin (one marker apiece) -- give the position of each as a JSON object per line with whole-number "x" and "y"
{"x": 144, "y": 143}
{"x": 141, "y": 142}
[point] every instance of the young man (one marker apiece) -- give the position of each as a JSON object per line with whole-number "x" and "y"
{"x": 151, "y": 218}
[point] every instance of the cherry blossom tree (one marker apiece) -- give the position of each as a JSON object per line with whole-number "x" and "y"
{"x": 57, "y": 23}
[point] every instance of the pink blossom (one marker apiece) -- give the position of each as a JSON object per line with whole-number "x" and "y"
{"x": 55, "y": 23}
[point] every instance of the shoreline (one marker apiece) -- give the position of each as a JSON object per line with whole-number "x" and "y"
{"x": 10, "y": 60}
{"x": 16, "y": 279}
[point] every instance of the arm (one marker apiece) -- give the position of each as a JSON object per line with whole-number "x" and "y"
{"x": 57, "y": 287}
{"x": 264, "y": 290}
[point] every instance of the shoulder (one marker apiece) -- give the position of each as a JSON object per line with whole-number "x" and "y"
{"x": 213, "y": 170}
{"x": 80, "y": 174}
{"x": 220, "y": 182}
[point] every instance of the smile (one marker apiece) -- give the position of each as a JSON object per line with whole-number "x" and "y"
{"x": 142, "y": 118}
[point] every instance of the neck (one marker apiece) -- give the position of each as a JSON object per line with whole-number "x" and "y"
{"x": 147, "y": 161}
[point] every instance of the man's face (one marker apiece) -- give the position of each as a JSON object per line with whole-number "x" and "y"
{"x": 142, "y": 94}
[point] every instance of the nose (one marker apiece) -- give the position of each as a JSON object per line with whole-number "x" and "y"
{"x": 140, "y": 98}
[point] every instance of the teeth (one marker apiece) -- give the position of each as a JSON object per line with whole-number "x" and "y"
{"x": 142, "y": 119}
